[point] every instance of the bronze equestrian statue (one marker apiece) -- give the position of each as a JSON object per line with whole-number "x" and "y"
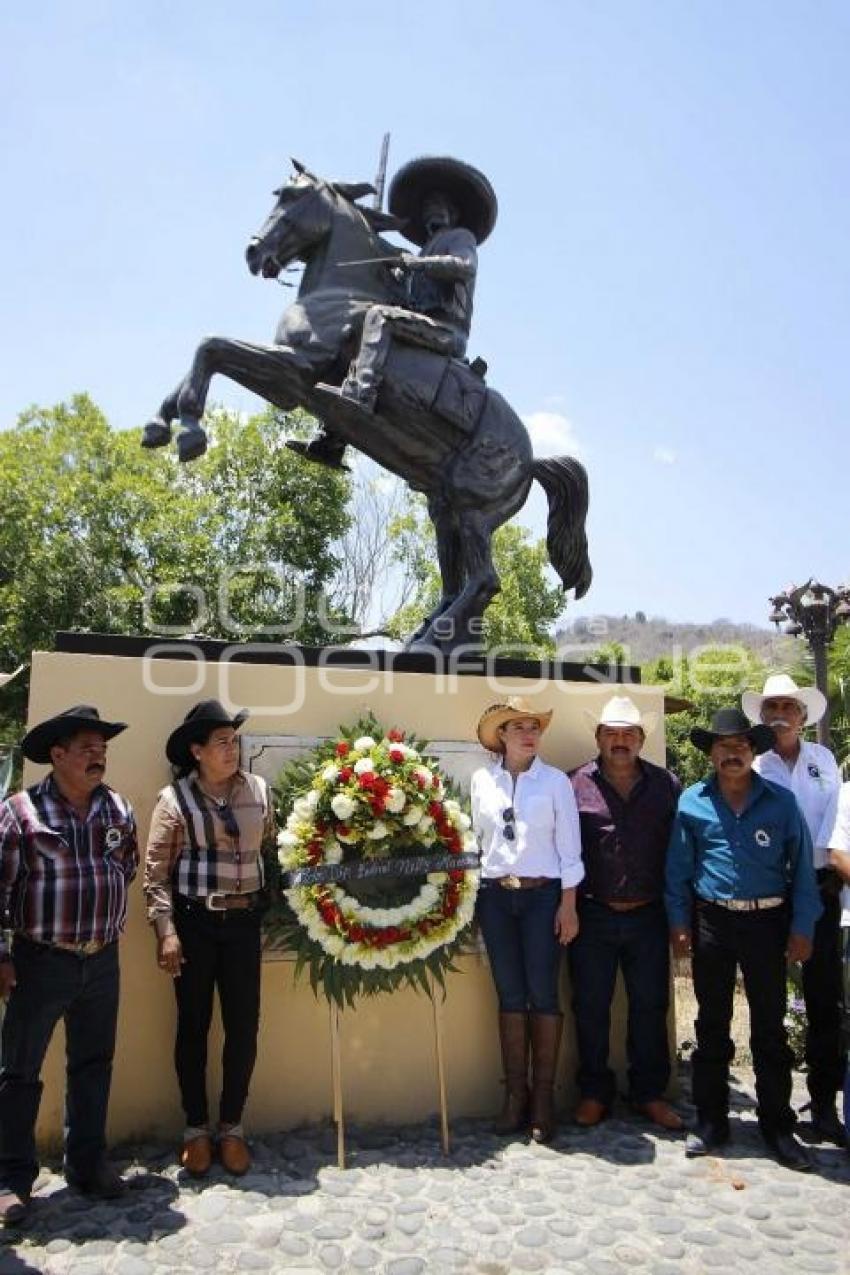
{"x": 373, "y": 346}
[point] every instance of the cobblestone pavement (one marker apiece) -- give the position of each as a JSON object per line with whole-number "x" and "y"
{"x": 600, "y": 1202}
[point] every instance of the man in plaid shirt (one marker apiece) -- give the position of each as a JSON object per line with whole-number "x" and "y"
{"x": 68, "y": 853}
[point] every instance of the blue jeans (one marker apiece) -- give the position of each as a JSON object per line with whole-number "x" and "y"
{"x": 52, "y": 984}
{"x": 518, "y": 927}
{"x": 638, "y": 943}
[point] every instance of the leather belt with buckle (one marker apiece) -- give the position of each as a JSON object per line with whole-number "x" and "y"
{"x": 90, "y": 948}
{"x": 218, "y": 902}
{"x": 521, "y": 883}
{"x": 748, "y": 905}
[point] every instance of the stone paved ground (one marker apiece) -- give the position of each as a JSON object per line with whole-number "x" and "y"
{"x": 599, "y": 1202}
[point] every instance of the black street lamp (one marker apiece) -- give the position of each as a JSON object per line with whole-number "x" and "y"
{"x": 813, "y": 611}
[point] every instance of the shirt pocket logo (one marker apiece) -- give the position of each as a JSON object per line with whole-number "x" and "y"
{"x": 113, "y": 839}
{"x": 762, "y": 838}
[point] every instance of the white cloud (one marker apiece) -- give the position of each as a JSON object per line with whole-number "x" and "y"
{"x": 664, "y": 455}
{"x": 552, "y": 434}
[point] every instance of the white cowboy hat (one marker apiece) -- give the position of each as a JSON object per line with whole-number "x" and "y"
{"x": 7, "y": 677}
{"x": 622, "y": 711}
{"x": 781, "y": 686}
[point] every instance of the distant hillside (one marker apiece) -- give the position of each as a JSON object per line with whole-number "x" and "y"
{"x": 647, "y": 638}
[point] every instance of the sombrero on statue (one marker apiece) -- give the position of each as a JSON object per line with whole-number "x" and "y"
{"x": 467, "y": 188}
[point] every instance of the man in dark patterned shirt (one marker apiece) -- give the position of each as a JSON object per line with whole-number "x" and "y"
{"x": 68, "y": 852}
{"x": 626, "y": 808}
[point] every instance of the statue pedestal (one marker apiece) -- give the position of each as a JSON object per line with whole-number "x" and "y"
{"x": 296, "y": 696}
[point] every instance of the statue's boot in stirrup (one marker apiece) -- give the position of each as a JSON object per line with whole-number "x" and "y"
{"x": 323, "y": 450}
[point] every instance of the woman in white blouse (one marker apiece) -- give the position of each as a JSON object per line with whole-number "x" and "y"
{"x": 524, "y": 815}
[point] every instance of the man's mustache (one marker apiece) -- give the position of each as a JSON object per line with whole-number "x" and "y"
{"x": 779, "y": 722}
{"x": 731, "y": 761}
{"x": 95, "y": 768}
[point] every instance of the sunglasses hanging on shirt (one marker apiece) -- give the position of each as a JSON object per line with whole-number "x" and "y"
{"x": 508, "y": 832}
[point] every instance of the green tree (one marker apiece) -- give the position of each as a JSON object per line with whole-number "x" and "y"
{"x": 714, "y": 678}
{"x": 98, "y": 534}
{"x": 519, "y": 620}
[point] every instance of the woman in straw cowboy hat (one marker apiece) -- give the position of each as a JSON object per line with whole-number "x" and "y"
{"x": 204, "y": 887}
{"x": 524, "y": 815}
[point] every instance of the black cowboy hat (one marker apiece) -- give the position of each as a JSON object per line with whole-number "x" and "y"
{"x": 465, "y": 186}
{"x": 37, "y": 743}
{"x": 731, "y": 721}
{"x": 197, "y": 723}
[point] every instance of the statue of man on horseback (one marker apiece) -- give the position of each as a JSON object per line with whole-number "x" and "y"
{"x": 382, "y": 366}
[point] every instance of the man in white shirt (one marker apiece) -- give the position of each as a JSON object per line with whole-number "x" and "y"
{"x": 811, "y": 772}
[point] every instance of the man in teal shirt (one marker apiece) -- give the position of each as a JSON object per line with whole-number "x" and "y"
{"x": 741, "y": 891}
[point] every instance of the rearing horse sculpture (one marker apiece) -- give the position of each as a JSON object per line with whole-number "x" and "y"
{"x": 437, "y": 424}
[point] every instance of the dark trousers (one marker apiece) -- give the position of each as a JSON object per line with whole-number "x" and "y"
{"x": 221, "y": 950}
{"x": 638, "y": 943}
{"x": 52, "y": 984}
{"x": 756, "y": 941}
{"x": 518, "y": 927}
{"x": 822, "y": 992}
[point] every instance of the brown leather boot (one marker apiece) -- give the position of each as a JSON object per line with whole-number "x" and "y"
{"x": 513, "y": 1035}
{"x": 545, "y": 1040}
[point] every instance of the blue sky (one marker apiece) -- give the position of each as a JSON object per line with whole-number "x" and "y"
{"x": 666, "y": 289}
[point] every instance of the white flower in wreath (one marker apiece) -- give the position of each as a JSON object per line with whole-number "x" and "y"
{"x": 334, "y": 944}
{"x": 463, "y": 821}
{"x": 412, "y": 816}
{"x": 425, "y": 824}
{"x": 330, "y": 774}
{"x": 451, "y": 806}
{"x": 292, "y": 821}
{"x": 312, "y": 799}
{"x": 301, "y": 808}
{"x": 378, "y": 831}
{"x": 395, "y": 801}
{"x": 287, "y": 840}
{"x": 333, "y": 851}
{"x": 342, "y": 806}
{"x": 420, "y": 772}
{"x": 364, "y": 743}
{"x": 410, "y": 753}
{"x": 363, "y": 766}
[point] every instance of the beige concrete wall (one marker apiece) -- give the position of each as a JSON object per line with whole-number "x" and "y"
{"x": 388, "y": 1043}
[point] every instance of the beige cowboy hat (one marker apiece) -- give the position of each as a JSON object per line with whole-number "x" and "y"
{"x": 781, "y": 686}
{"x": 619, "y": 710}
{"x": 509, "y": 710}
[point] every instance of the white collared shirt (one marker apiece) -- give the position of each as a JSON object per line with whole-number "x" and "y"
{"x": 547, "y": 834}
{"x": 840, "y": 840}
{"x": 814, "y": 781}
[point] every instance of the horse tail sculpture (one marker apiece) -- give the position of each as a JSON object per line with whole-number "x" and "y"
{"x": 565, "y": 482}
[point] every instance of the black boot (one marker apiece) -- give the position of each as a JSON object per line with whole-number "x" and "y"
{"x": 323, "y": 450}
{"x": 826, "y": 1124}
{"x": 513, "y": 1036}
{"x": 545, "y": 1040}
{"x": 788, "y": 1151}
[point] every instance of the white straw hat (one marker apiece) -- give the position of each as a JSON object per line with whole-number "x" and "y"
{"x": 781, "y": 686}
{"x": 622, "y": 711}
